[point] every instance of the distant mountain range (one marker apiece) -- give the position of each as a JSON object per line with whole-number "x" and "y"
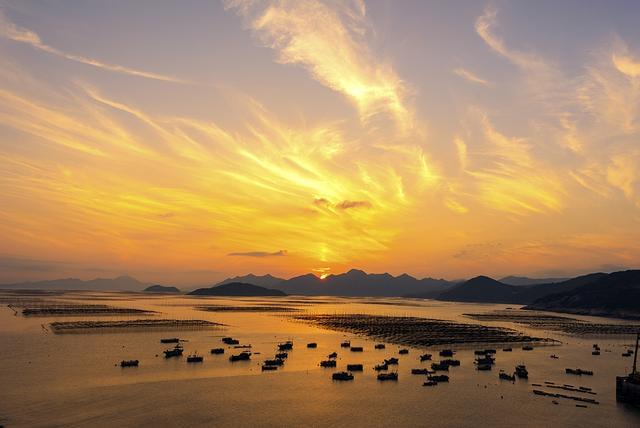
{"x": 121, "y": 283}
{"x": 262, "y": 280}
{"x": 236, "y": 289}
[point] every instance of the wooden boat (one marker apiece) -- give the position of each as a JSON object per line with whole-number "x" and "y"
{"x": 332, "y": 355}
{"x": 527, "y": 348}
{"x": 195, "y": 358}
{"x": 170, "y": 340}
{"x": 282, "y": 355}
{"x": 579, "y": 372}
{"x": 450, "y": 362}
{"x": 439, "y": 378}
{"x": 242, "y": 356}
{"x": 506, "y": 376}
{"x": 286, "y": 346}
{"x": 403, "y": 351}
{"x": 425, "y": 357}
{"x": 388, "y": 376}
{"x": 391, "y": 361}
{"x": 521, "y": 371}
{"x": 356, "y": 349}
{"x": 447, "y": 353}
{"x": 420, "y": 371}
{"x": 628, "y": 387}
{"x": 328, "y": 363}
{"x": 230, "y": 341}
{"x": 217, "y": 351}
{"x": 381, "y": 367}
{"x": 129, "y": 363}
{"x": 269, "y": 368}
{"x": 346, "y": 344}
{"x": 276, "y": 362}
{"x": 507, "y": 349}
{"x": 312, "y": 345}
{"x": 175, "y": 352}
{"x": 380, "y": 346}
{"x": 440, "y": 367}
{"x": 342, "y": 376}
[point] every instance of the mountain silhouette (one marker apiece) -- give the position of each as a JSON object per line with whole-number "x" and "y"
{"x": 523, "y": 280}
{"x": 161, "y": 289}
{"x": 261, "y": 280}
{"x": 121, "y": 283}
{"x": 481, "y": 289}
{"x": 615, "y": 294}
{"x": 359, "y": 283}
{"x": 236, "y": 289}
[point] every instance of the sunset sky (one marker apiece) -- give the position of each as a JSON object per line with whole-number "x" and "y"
{"x": 187, "y": 141}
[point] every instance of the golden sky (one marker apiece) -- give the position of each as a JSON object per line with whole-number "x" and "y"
{"x": 185, "y": 142}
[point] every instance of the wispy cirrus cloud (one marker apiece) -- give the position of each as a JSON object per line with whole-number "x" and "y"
{"x": 470, "y": 76}
{"x": 329, "y": 42}
{"x": 19, "y": 34}
{"x": 259, "y": 254}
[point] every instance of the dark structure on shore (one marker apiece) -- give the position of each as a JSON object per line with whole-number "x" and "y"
{"x": 628, "y": 387}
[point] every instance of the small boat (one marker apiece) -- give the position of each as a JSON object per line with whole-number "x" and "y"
{"x": 579, "y": 372}
{"x": 286, "y": 346}
{"x": 554, "y": 356}
{"x": 420, "y": 371}
{"x": 485, "y": 360}
{"x": 269, "y": 368}
{"x": 355, "y": 367}
{"x": 388, "y": 376}
{"x": 332, "y": 355}
{"x": 507, "y": 349}
{"x": 527, "y": 348}
{"x": 175, "y": 352}
{"x": 217, "y": 351}
{"x": 195, "y": 358}
{"x": 440, "y": 367}
{"x": 328, "y": 363}
{"x": 430, "y": 383}
{"x": 346, "y": 344}
{"x": 230, "y": 341}
{"x": 312, "y": 345}
{"x": 450, "y": 362}
{"x": 483, "y": 367}
{"x": 439, "y": 378}
{"x": 391, "y": 361}
{"x": 403, "y": 351}
{"x": 170, "y": 340}
{"x": 242, "y": 356}
{"x": 356, "y": 349}
{"x": 129, "y": 363}
{"x": 425, "y": 357}
{"x": 595, "y": 352}
{"x": 521, "y": 371}
{"x": 506, "y": 376}
{"x": 282, "y": 355}
{"x": 626, "y": 354}
{"x": 276, "y": 362}
{"x": 381, "y": 367}
{"x": 447, "y": 353}
{"x": 342, "y": 376}
{"x": 380, "y": 346}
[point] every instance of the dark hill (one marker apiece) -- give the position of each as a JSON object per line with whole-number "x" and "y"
{"x": 523, "y": 280}
{"x": 161, "y": 289}
{"x": 237, "y": 289}
{"x": 616, "y": 294}
{"x": 267, "y": 280}
{"x": 121, "y": 283}
{"x": 482, "y": 289}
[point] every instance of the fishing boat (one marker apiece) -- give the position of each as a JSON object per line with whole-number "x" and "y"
{"x": 230, "y": 341}
{"x": 380, "y": 346}
{"x": 282, "y": 355}
{"x": 554, "y": 356}
{"x": 579, "y": 372}
{"x": 217, "y": 351}
{"x": 403, "y": 351}
{"x": 388, "y": 376}
{"x": 506, "y": 376}
{"x": 175, "y": 352}
{"x": 439, "y": 378}
{"x": 507, "y": 349}
{"x": 440, "y": 367}
{"x": 483, "y": 367}
{"x": 450, "y": 362}
{"x": 391, "y": 361}
{"x": 521, "y": 371}
{"x": 195, "y": 358}
{"x": 242, "y": 356}
{"x": 595, "y": 352}
{"x": 170, "y": 340}
{"x": 312, "y": 345}
{"x": 628, "y": 387}
{"x": 420, "y": 371}
{"x": 129, "y": 363}
{"x": 286, "y": 346}
{"x": 527, "y": 348}
{"x": 425, "y": 357}
{"x": 328, "y": 363}
{"x": 447, "y": 353}
{"x": 346, "y": 344}
{"x": 276, "y": 362}
{"x": 266, "y": 368}
{"x": 356, "y": 349}
{"x": 342, "y": 376}
{"x": 381, "y": 367}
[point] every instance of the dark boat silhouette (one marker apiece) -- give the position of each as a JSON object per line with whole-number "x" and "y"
{"x": 195, "y": 358}
{"x": 175, "y": 352}
{"x": 342, "y": 376}
{"x": 521, "y": 371}
{"x": 170, "y": 340}
{"x": 439, "y": 378}
{"x": 346, "y": 344}
{"x": 420, "y": 371}
{"x": 217, "y": 351}
{"x": 242, "y": 356}
{"x": 282, "y": 355}
{"x": 230, "y": 341}
{"x": 328, "y": 363}
{"x": 129, "y": 363}
{"x": 380, "y": 346}
{"x": 403, "y": 351}
{"x": 391, "y": 361}
{"x": 628, "y": 387}
{"x": 447, "y": 353}
{"x": 269, "y": 368}
{"x": 332, "y": 355}
{"x": 357, "y": 349}
{"x": 276, "y": 362}
{"x": 440, "y": 367}
{"x": 425, "y": 357}
{"x": 506, "y": 376}
{"x": 579, "y": 372}
{"x": 388, "y": 376}
{"x": 381, "y": 367}
{"x": 286, "y": 346}
{"x": 312, "y": 345}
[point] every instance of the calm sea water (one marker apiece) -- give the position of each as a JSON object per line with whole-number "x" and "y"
{"x": 73, "y": 380}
